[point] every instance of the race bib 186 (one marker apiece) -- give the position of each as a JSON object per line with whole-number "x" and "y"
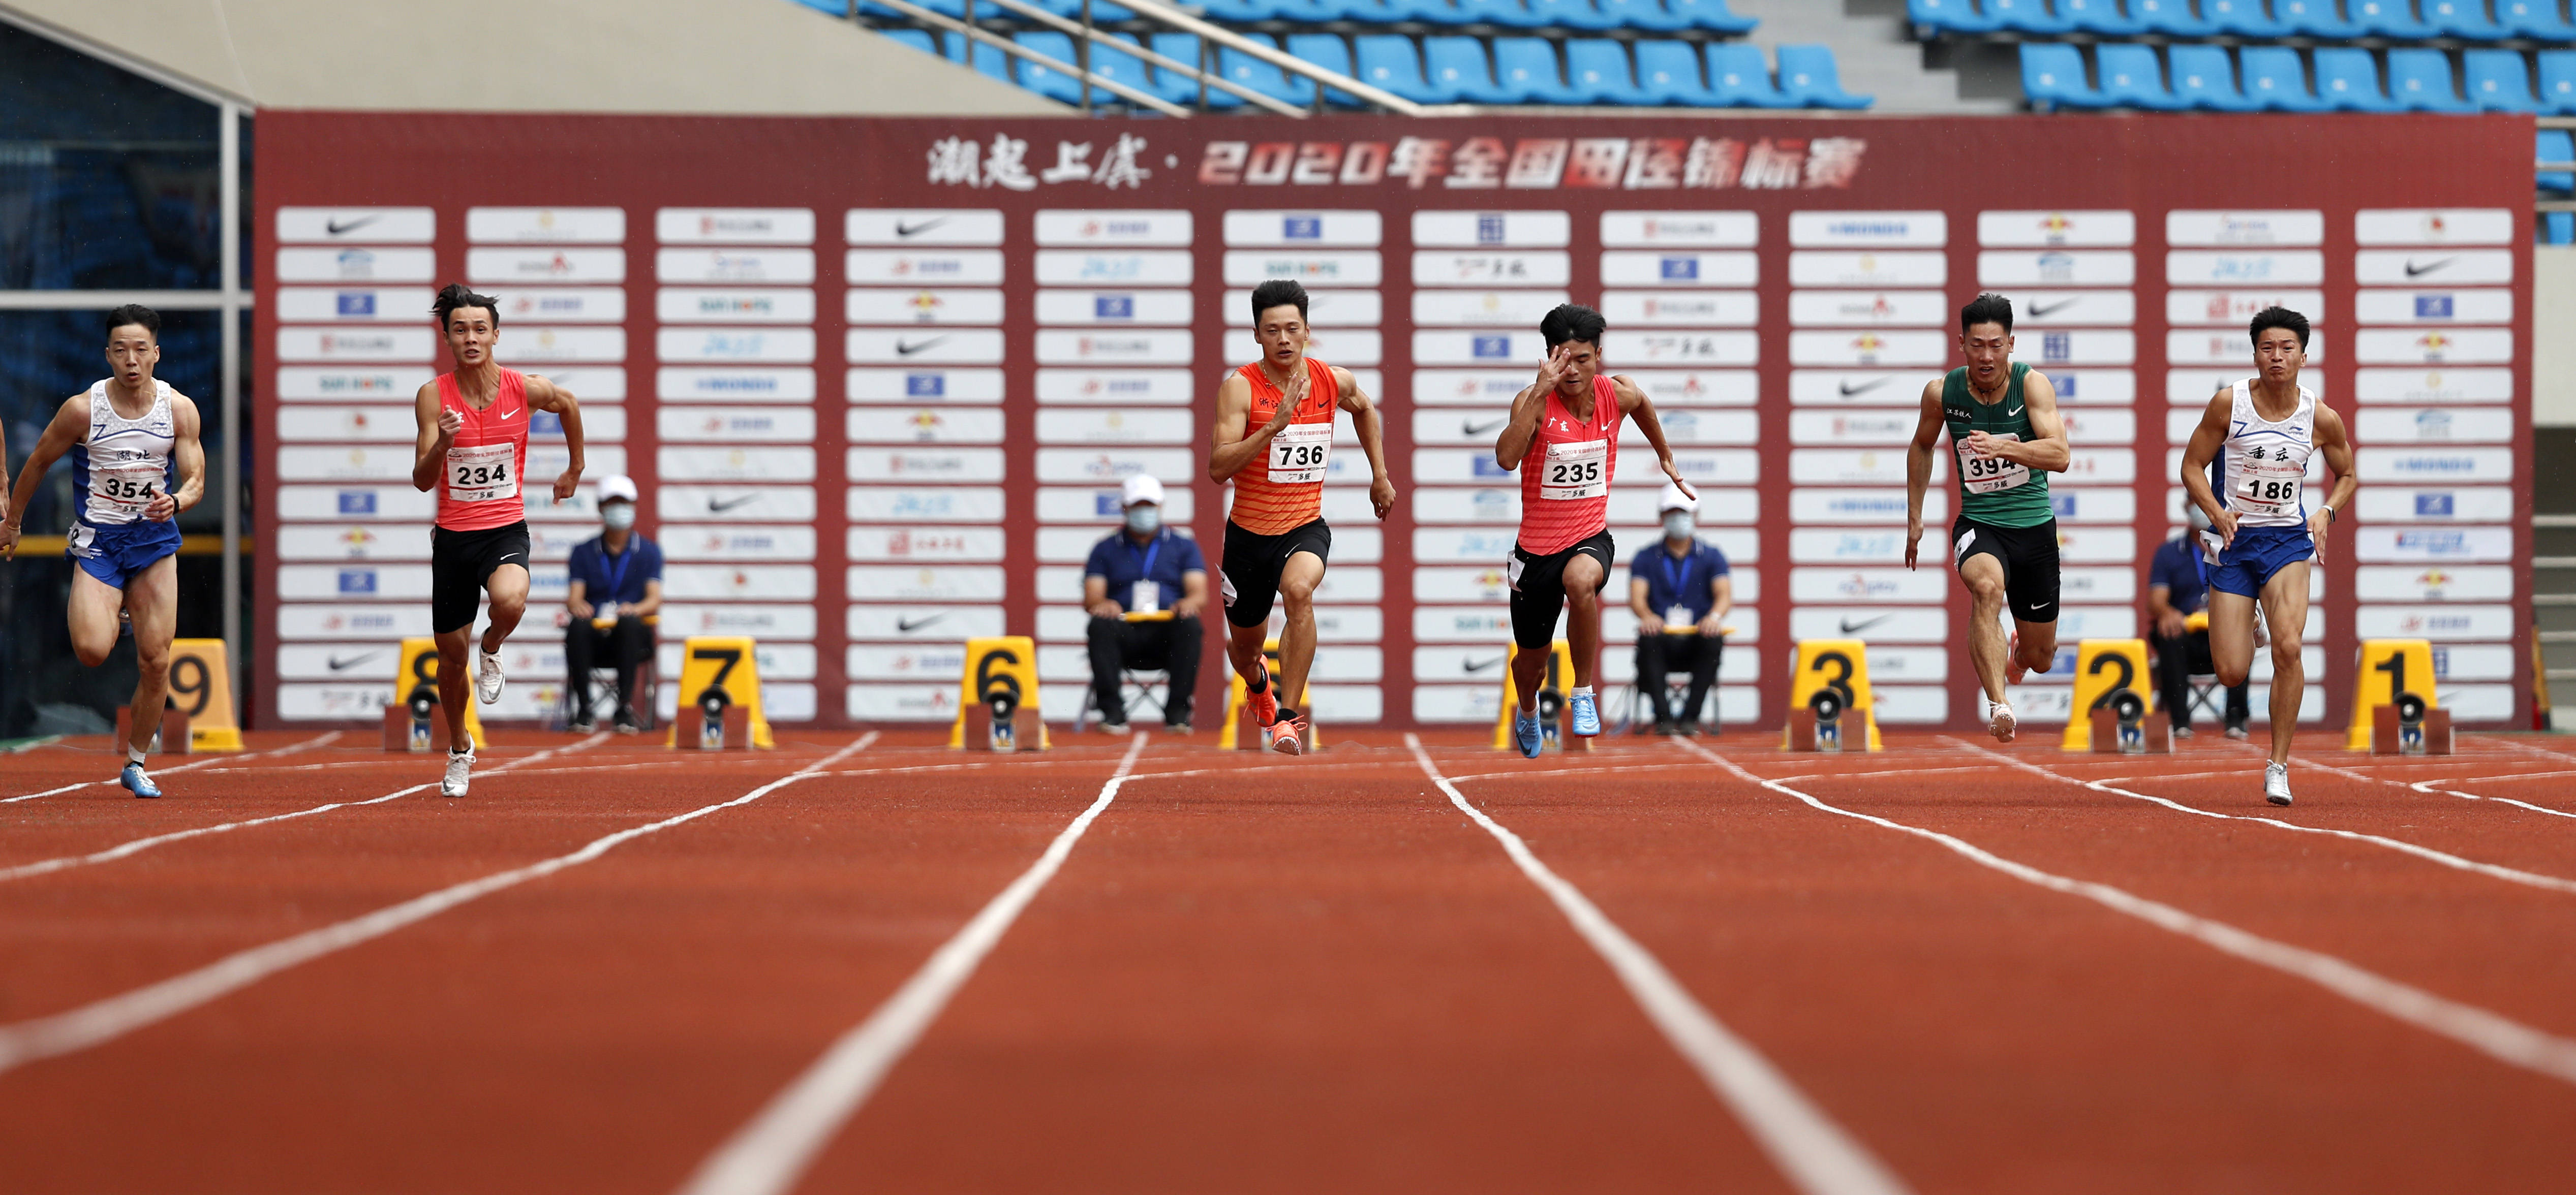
{"x": 1986, "y": 474}
{"x": 481, "y": 473}
{"x": 1577, "y": 470}
{"x": 2267, "y": 489}
{"x": 1299, "y": 453}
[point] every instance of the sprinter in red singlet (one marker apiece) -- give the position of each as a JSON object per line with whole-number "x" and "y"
{"x": 1565, "y": 428}
{"x": 1274, "y": 440}
{"x": 473, "y": 447}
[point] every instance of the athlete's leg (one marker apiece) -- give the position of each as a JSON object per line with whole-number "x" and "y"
{"x": 152, "y": 598}
{"x": 92, "y": 614}
{"x": 1583, "y": 576}
{"x": 2285, "y": 612}
{"x": 455, "y": 682}
{"x": 2231, "y": 635}
{"x": 2037, "y": 642}
{"x": 1984, "y": 577}
{"x": 1243, "y": 648}
{"x": 1529, "y": 667}
{"x": 1297, "y": 581}
{"x": 508, "y": 586}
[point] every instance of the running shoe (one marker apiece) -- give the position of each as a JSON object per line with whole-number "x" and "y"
{"x": 460, "y": 771}
{"x": 136, "y": 782}
{"x": 487, "y": 676}
{"x": 581, "y": 724}
{"x": 2276, "y": 783}
{"x": 1288, "y": 735}
{"x": 2013, "y": 671}
{"x": 1587, "y": 716}
{"x": 2181, "y": 732}
{"x": 625, "y": 722}
{"x": 2236, "y": 731}
{"x": 1265, "y": 703}
{"x": 2000, "y": 721}
{"x": 1525, "y": 732}
{"x": 1113, "y": 727}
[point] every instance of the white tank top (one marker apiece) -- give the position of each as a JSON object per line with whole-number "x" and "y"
{"x": 123, "y": 463}
{"x": 2263, "y": 466}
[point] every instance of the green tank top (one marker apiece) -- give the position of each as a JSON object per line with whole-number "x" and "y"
{"x": 1997, "y": 493}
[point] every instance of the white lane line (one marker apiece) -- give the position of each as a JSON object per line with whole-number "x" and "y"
{"x": 1812, "y": 1152}
{"x": 768, "y": 1155}
{"x": 2419, "y": 786}
{"x": 2511, "y": 875}
{"x": 32, "y": 744}
{"x": 290, "y": 749}
{"x": 2489, "y": 1033}
{"x": 105, "y": 1020}
{"x": 140, "y": 845}
{"x": 2505, "y": 776}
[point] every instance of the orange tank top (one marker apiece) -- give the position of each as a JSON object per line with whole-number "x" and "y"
{"x": 1565, "y": 479}
{"x": 1283, "y": 488}
{"x": 480, "y": 488}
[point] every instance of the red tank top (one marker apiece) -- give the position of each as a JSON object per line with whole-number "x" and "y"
{"x": 481, "y": 487}
{"x": 1565, "y": 479}
{"x": 1297, "y": 456}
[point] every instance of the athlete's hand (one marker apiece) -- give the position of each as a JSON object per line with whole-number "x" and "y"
{"x": 2318, "y": 525}
{"x": 449, "y": 423}
{"x": 1382, "y": 496}
{"x": 1552, "y": 370}
{"x": 1913, "y": 541}
{"x": 8, "y": 540}
{"x": 2224, "y": 523}
{"x": 161, "y": 508}
{"x": 1673, "y": 471}
{"x": 1985, "y": 446}
{"x": 568, "y": 484}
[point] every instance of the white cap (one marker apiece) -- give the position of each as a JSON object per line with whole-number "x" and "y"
{"x": 1675, "y": 499}
{"x": 616, "y": 486}
{"x": 1140, "y": 488}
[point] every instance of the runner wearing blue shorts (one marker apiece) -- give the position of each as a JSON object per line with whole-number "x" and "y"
{"x": 2247, "y": 468}
{"x": 136, "y": 464}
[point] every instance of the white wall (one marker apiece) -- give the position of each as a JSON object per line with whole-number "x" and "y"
{"x": 2553, "y": 356}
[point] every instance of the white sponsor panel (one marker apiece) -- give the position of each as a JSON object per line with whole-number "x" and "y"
{"x": 1821, "y": 586}
{"x": 1467, "y": 230}
{"x": 543, "y": 345}
{"x": 547, "y": 225}
{"x": 1740, "y": 545}
{"x": 1868, "y": 348}
{"x": 1854, "y": 387}
{"x": 2236, "y": 308}
{"x": 1474, "y": 387}
{"x": 924, "y": 425}
{"x": 1147, "y": 267}
{"x": 303, "y": 621}
{"x": 2433, "y": 346}
{"x": 353, "y": 305}
{"x": 1453, "y": 267}
{"x": 1465, "y": 545}
{"x": 346, "y": 663}
{"x": 1901, "y": 229}
{"x": 2098, "y": 584}
{"x": 1680, "y": 268}
{"x": 326, "y": 503}
{"x": 1468, "y": 664}
{"x": 515, "y": 265}
{"x": 2100, "y": 465}
{"x": 1860, "y": 308}
{"x": 2093, "y": 387}
{"x": 351, "y": 541}
{"x": 926, "y": 583}
{"x": 2038, "y": 229}
{"x": 2098, "y": 545}
{"x": 2475, "y": 306}
{"x": 1855, "y": 545}
{"x": 924, "y": 465}
{"x": 1866, "y": 466}
{"x": 2466, "y": 663}
{"x": 1910, "y": 705}
{"x": 1695, "y": 427}
{"x": 563, "y": 305}
{"x": 734, "y": 504}
{"x": 304, "y": 383}
{"x": 1067, "y": 545}
{"x": 749, "y": 384}
{"x": 1113, "y": 464}
{"x": 924, "y": 661}
{"x": 2432, "y": 267}
{"x": 1691, "y": 387}
{"x": 1496, "y": 505}
{"x": 2429, "y": 544}
{"x": 2433, "y": 582}
{"x": 2038, "y": 704}
{"x": 334, "y": 703}
{"x": 1355, "y": 267}
{"x": 748, "y": 582}
{"x": 1462, "y": 624}
{"x": 1359, "y": 583}
{"x": 1904, "y": 665}
{"x": 2434, "y": 425}
{"x": 1872, "y": 623}
{"x": 901, "y": 702}
{"x": 923, "y": 384}
{"x": 922, "y": 267}
{"x": 1458, "y": 426}
{"x": 357, "y": 225}
{"x": 1699, "y": 466}
{"x": 943, "y": 346}
{"x": 1674, "y": 308}
{"x": 2433, "y": 226}
{"x": 1347, "y": 705}
{"x": 2284, "y": 227}
{"x": 1475, "y": 705}
{"x": 2477, "y": 703}
{"x": 2421, "y": 504}
{"x": 2103, "y": 505}
{"x": 2458, "y": 623}
{"x": 1111, "y": 308}
{"x": 2423, "y": 465}
{"x": 1633, "y": 230}
{"x": 1126, "y": 346}
{"x": 351, "y": 463}
{"x": 2433, "y": 386}
{"x": 1662, "y": 347}
{"x": 907, "y": 504}
{"x": 2075, "y": 308}
{"x": 764, "y": 622}
{"x": 1460, "y": 466}
{"x": 1317, "y": 229}
{"x": 1098, "y": 226}
{"x": 2232, "y": 348}
{"x": 368, "y": 425}
{"x": 2056, "y": 267}
{"x": 353, "y": 582}
{"x": 2240, "y": 270}
{"x": 746, "y": 345}
{"x": 2100, "y": 425}
{"x": 1471, "y": 584}
{"x": 732, "y": 464}
{"x": 757, "y": 305}
{"x": 1349, "y": 624}
{"x": 1099, "y": 507}
{"x": 2079, "y": 346}
{"x": 355, "y": 264}
{"x": 701, "y": 542}
{"x": 355, "y": 344}
{"x": 1820, "y": 267}
{"x": 1324, "y": 308}
{"x": 1480, "y": 348}
{"x": 1478, "y": 308}
{"x": 1112, "y": 425}
{"x": 1870, "y": 506}
{"x": 921, "y": 226}
{"x": 1123, "y": 387}
{"x": 734, "y": 226}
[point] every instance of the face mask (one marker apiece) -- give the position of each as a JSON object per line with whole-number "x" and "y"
{"x": 1677, "y": 523}
{"x": 1144, "y": 519}
{"x": 618, "y": 517}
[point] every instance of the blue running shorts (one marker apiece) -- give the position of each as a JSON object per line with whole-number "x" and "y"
{"x": 2244, "y": 566}
{"x": 115, "y": 552}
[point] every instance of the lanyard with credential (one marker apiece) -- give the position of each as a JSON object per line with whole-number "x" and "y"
{"x": 1675, "y": 578}
{"x": 617, "y": 575}
{"x": 1146, "y": 572}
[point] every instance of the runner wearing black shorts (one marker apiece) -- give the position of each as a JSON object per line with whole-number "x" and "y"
{"x": 460, "y": 566}
{"x": 1253, "y": 564}
{"x": 1540, "y": 593}
{"x": 2029, "y": 559}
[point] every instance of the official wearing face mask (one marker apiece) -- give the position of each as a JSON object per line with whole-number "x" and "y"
{"x": 1680, "y": 592}
{"x": 1144, "y": 588}
{"x": 616, "y": 591}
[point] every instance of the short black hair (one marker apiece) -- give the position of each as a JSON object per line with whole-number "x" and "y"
{"x": 1988, "y": 308}
{"x": 1572, "y": 321}
{"x": 1278, "y": 292}
{"x": 2279, "y": 317}
{"x": 454, "y": 295}
{"x": 136, "y": 314}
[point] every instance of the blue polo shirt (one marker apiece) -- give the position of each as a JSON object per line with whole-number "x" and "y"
{"x": 1120, "y": 561}
{"x": 2177, "y": 568}
{"x": 597, "y": 570}
{"x": 1689, "y": 577}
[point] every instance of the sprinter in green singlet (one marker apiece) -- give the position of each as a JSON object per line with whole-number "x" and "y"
{"x": 2003, "y": 424}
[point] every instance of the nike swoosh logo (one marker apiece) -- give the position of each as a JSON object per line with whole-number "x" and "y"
{"x": 2041, "y": 605}
{"x": 2015, "y": 411}
{"x": 1863, "y": 388}
{"x": 1854, "y": 628}
{"x": 902, "y": 229}
{"x": 340, "y": 665}
{"x": 906, "y": 348}
{"x": 908, "y": 625}
{"x": 1478, "y": 429}
{"x": 336, "y": 227}
{"x": 2417, "y": 271}
{"x": 2043, "y": 310}
{"x": 717, "y": 506}
{"x": 514, "y": 414}
{"x": 1475, "y": 666}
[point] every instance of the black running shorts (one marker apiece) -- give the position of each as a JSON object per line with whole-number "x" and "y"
{"x": 1253, "y": 563}
{"x": 461, "y": 563}
{"x": 1538, "y": 587}
{"x": 2029, "y": 557}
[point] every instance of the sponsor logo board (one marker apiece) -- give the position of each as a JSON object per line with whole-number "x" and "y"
{"x": 734, "y": 226}
{"x": 1315, "y": 229}
{"x": 357, "y": 225}
{"x": 692, "y": 543}
{"x": 1090, "y": 226}
{"x": 1116, "y": 308}
{"x": 2046, "y": 229}
{"x": 741, "y": 384}
{"x": 780, "y": 463}
{"x": 922, "y": 226}
{"x": 924, "y": 465}
{"x": 746, "y": 345}
{"x": 923, "y": 385}
{"x": 924, "y": 425}
{"x": 1680, "y": 268}
{"x": 1870, "y": 268}
{"x": 1875, "y": 229}
{"x": 547, "y": 225}
{"x": 1116, "y": 387}
{"x": 743, "y": 305}
{"x": 1450, "y": 267}
{"x": 2285, "y": 227}
{"x": 738, "y": 582}
{"x": 923, "y": 267}
{"x": 1650, "y": 230}
{"x": 1509, "y": 230}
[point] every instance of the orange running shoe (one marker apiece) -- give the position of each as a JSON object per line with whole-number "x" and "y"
{"x": 1265, "y": 703}
{"x": 2013, "y": 671}
{"x": 1288, "y": 735}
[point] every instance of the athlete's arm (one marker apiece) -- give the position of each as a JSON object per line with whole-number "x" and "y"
{"x": 438, "y": 428}
{"x": 1648, "y": 621}
{"x": 1918, "y": 465}
{"x": 2337, "y": 448}
{"x": 1528, "y": 407}
{"x": 544, "y": 395}
{"x": 2046, "y": 450}
{"x": 1365, "y": 421}
{"x": 1634, "y": 404}
{"x": 2196, "y": 455}
{"x": 71, "y": 422}
{"x": 189, "y": 453}
{"x": 1233, "y": 449}
{"x": 1721, "y": 587}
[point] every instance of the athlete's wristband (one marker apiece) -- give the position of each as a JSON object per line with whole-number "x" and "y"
{"x": 2329, "y": 511}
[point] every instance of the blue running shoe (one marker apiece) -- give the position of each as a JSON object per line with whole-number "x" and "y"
{"x": 1587, "y": 716}
{"x": 1525, "y": 733}
{"x": 136, "y": 782}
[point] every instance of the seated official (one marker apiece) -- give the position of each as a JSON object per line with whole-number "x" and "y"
{"x": 1681, "y": 593}
{"x": 1144, "y": 588}
{"x": 2176, "y": 589}
{"x": 616, "y": 585}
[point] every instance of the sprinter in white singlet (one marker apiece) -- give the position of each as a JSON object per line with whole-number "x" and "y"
{"x": 136, "y": 464}
{"x": 2261, "y": 432}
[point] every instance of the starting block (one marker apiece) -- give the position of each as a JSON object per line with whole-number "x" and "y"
{"x": 414, "y": 722}
{"x": 1829, "y": 698}
{"x": 715, "y": 725}
{"x": 1240, "y": 733}
{"x": 2110, "y": 678}
{"x": 2122, "y": 726}
{"x": 174, "y": 729}
{"x": 2410, "y": 725}
{"x": 202, "y": 687}
{"x": 2392, "y": 670}
{"x": 720, "y": 696}
{"x": 997, "y": 706}
{"x": 1555, "y": 713}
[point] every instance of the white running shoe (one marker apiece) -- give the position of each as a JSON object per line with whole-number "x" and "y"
{"x": 2000, "y": 721}
{"x": 2276, "y": 783}
{"x": 460, "y": 772}
{"x": 487, "y": 675}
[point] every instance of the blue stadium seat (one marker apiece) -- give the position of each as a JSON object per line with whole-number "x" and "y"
{"x": 2465, "y": 19}
{"x": 2537, "y": 19}
{"x": 1597, "y": 70}
{"x": 1510, "y": 13}
{"x": 2131, "y": 77}
{"x": 2348, "y": 81}
{"x": 1173, "y": 85}
{"x": 1739, "y": 78}
{"x": 2498, "y": 81}
{"x": 1237, "y": 12}
{"x": 2241, "y": 18}
{"x": 2205, "y": 77}
{"x": 2276, "y": 81}
{"x": 2313, "y": 18}
{"x": 1525, "y": 68}
{"x": 988, "y": 59}
{"x": 2026, "y": 16}
{"x": 1711, "y": 15}
{"x": 1808, "y": 79}
{"x": 918, "y": 39}
{"x": 2388, "y": 18}
{"x": 2556, "y": 145}
{"x": 1326, "y": 50}
{"x": 2558, "y": 82}
{"x": 1102, "y": 11}
{"x": 2052, "y": 76}
{"x": 2099, "y": 16}
{"x": 1456, "y": 69}
{"x": 1044, "y": 80}
{"x": 2558, "y": 228}
{"x": 2420, "y": 80}
{"x": 1649, "y": 16}
{"x": 2173, "y": 18}
{"x": 1244, "y": 70}
{"x": 1932, "y": 17}
{"x": 1387, "y": 62}
{"x": 1668, "y": 73}
{"x": 1571, "y": 14}
{"x": 1430, "y": 12}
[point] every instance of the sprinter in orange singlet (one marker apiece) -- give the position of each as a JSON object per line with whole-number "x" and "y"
{"x": 1274, "y": 440}
{"x": 1565, "y": 429}
{"x": 473, "y": 446}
